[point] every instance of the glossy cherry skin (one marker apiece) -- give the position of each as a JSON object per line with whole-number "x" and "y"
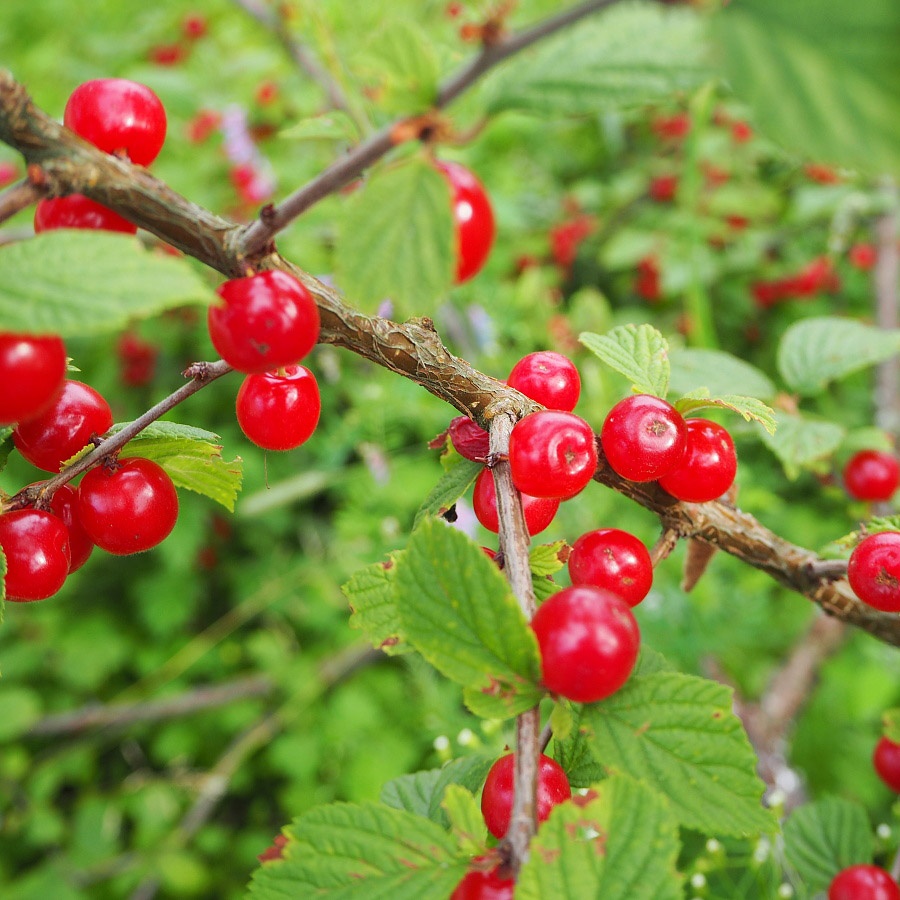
{"x": 128, "y": 507}
{"x": 539, "y": 512}
{"x": 886, "y": 760}
{"x": 279, "y": 411}
{"x": 708, "y": 466}
{"x": 265, "y": 321}
{"x": 499, "y": 788}
{"x": 118, "y": 116}
{"x": 874, "y": 570}
{"x": 64, "y": 428}
{"x": 863, "y": 882}
{"x": 474, "y": 219}
{"x": 547, "y": 377}
{"x": 615, "y": 560}
{"x": 64, "y": 505}
{"x": 552, "y": 454}
{"x": 78, "y": 211}
{"x": 479, "y": 885}
{"x": 872, "y": 475}
{"x": 643, "y": 437}
{"x": 36, "y": 546}
{"x": 469, "y": 439}
{"x": 589, "y": 642}
{"x": 32, "y": 374}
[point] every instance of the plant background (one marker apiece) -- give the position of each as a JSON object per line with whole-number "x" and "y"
{"x": 257, "y": 595}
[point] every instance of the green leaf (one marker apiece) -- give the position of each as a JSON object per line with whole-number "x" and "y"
{"x": 820, "y": 75}
{"x": 798, "y": 442}
{"x": 721, "y": 373}
{"x": 748, "y": 407}
{"x": 639, "y": 352}
{"x": 396, "y": 239}
{"x": 546, "y": 559}
{"x": 402, "y": 61}
{"x": 544, "y": 587}
{"x": 466, "y": 819}
{"x": 20, "y": 708}
{"x": 422, "y": 793}
{"x": 6, "y": 445}
{"x": 452, "y": 485}
{"x": 191, "y": 458}
{"x": 331, "y": 126}
{"x": 370, "y": 593}
{"x": 632, "y": 54}
{"x": 458, "y": 611}
{"x": 73, "y": 283}
{"x": 346, "y": 851}
{"x": 679, "y": 734}
{"x": 497, "y": 702}
{"x": 619, "y": 842}
{"x": 2, "y": 584}
{"x": 815, "y": 351}
{"x": 824, "y": 837}
{"x": 891, "y": 720}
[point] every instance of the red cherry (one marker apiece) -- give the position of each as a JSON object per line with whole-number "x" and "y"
{"x": 64, "y": 505}
{"x": 279, "y": 411}
{"x": 862, "y": 256}
{"x": 741, "y": 132}
{"x": 886, "y": 760}
{"x": 672, "y": 127}
{"x": 118, "y": 116}
{"x": 614, "y": 560}
{"x": 872, "y": 475}
{"x": 643, "y": 437}
{"x": 137, "y": 359}
{"x": 566, "y": 238}
{"x": 32, "y": 374}
{"x": 78, "y": 211}
{"x": 267, "y": 321}
{"x": 821, "y": 174}
{"x": 194, "y": 26}
{"x": 552, "y": 454}
{"x": 479, "y": 885}
{"x": 547, "y": 377}
{"x": 167, "y": 54}
{"x": 128, "y": 507}
{"x": 539, "y": 512}
{"x": 474, "y": 219}
{"x": 874, "y": 571}
{"x": 647, "y": 284}
{"x": 66, "y": 426}
{"x": 663, "y": 188}
{"x": 469, "y": 439}
{"x": 203, "y": 125}
{"x": 708, "y": 466}
{"x": 497, "y": 797}
{"x": 863, "y": 882}
{"x": 589, "y": 642}
{"x": 36, "y": 546}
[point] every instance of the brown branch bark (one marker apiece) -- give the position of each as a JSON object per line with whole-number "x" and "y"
{"x": 16, "y": 198}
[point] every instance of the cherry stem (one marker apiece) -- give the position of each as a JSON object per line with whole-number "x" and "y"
{"x": 663, "y": 547}
{"x": 18, "y": 197}
{"x": 514, "y": 543}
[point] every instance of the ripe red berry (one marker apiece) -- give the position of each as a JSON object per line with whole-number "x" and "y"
{"x": 648, "y": 282}
{"x": 36, "y": 546}
{"x": 643, "y": 437}
{"x": 863, "y": 882}
{"x": 552, "y": 454}
{"x": 118, "y": 116}
{"x": 589, "y": 642}
{"x": 480, "y": 885}
{"x": 566, "y": 238}
{"x": 708, "y": 466}
{"x": 78, "y": 211}
{"x": 266, "y": 321}
{"x": 127, "y": 507}
{"x": 547, "y": 377}
{"x": 64, "y": 505}
{"x": 741, "y": 132}
{"x": 32, "y": 373}
{"x": 66, "y": 426}
{"x": 862, "y": 256}
{"x": 872, "y": 475}
{"x": 614, "y": 560}
{"x": 886, "y": 760}
{"x": 539, "y": 512}
{"x": 663, "y": 188}
{"x": 474, "y": 219}
{"x": 499, "y": 788}
{"x": 194, "y": 26}
{"x": 874, "y": 570}
{"x": 469, "y": 439}
{"x": 167, "y": 54}
{"x": 9, "y": 172}
{"x": 137, "y": 359}
{"x": 279, "y": 411}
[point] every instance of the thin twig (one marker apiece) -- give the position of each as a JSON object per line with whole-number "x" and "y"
{"x": 258, "y": 234}
{"x": 16, "y": 198}
{"x": 303, "y": 57}
{"x": 663, "y": 547}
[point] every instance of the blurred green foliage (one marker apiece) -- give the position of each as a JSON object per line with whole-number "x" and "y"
{"x": 94, "y": 813}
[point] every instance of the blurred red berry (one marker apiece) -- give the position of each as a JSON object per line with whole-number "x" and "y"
{"x": 167, "y": 54}
{"x": 8, "y": 173}
{"x": 566, "y": 237}
{"x": 741, "y": 132}
{"x": 862, "y": 256}
{"x": 674, "y": 127}
{"x": 203, "y": 125}
{"x": 663, "y": 188}
{"x": 194, "y": 26}
{"x": 647, "y": 283}
{"x": 821, "y": 174}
